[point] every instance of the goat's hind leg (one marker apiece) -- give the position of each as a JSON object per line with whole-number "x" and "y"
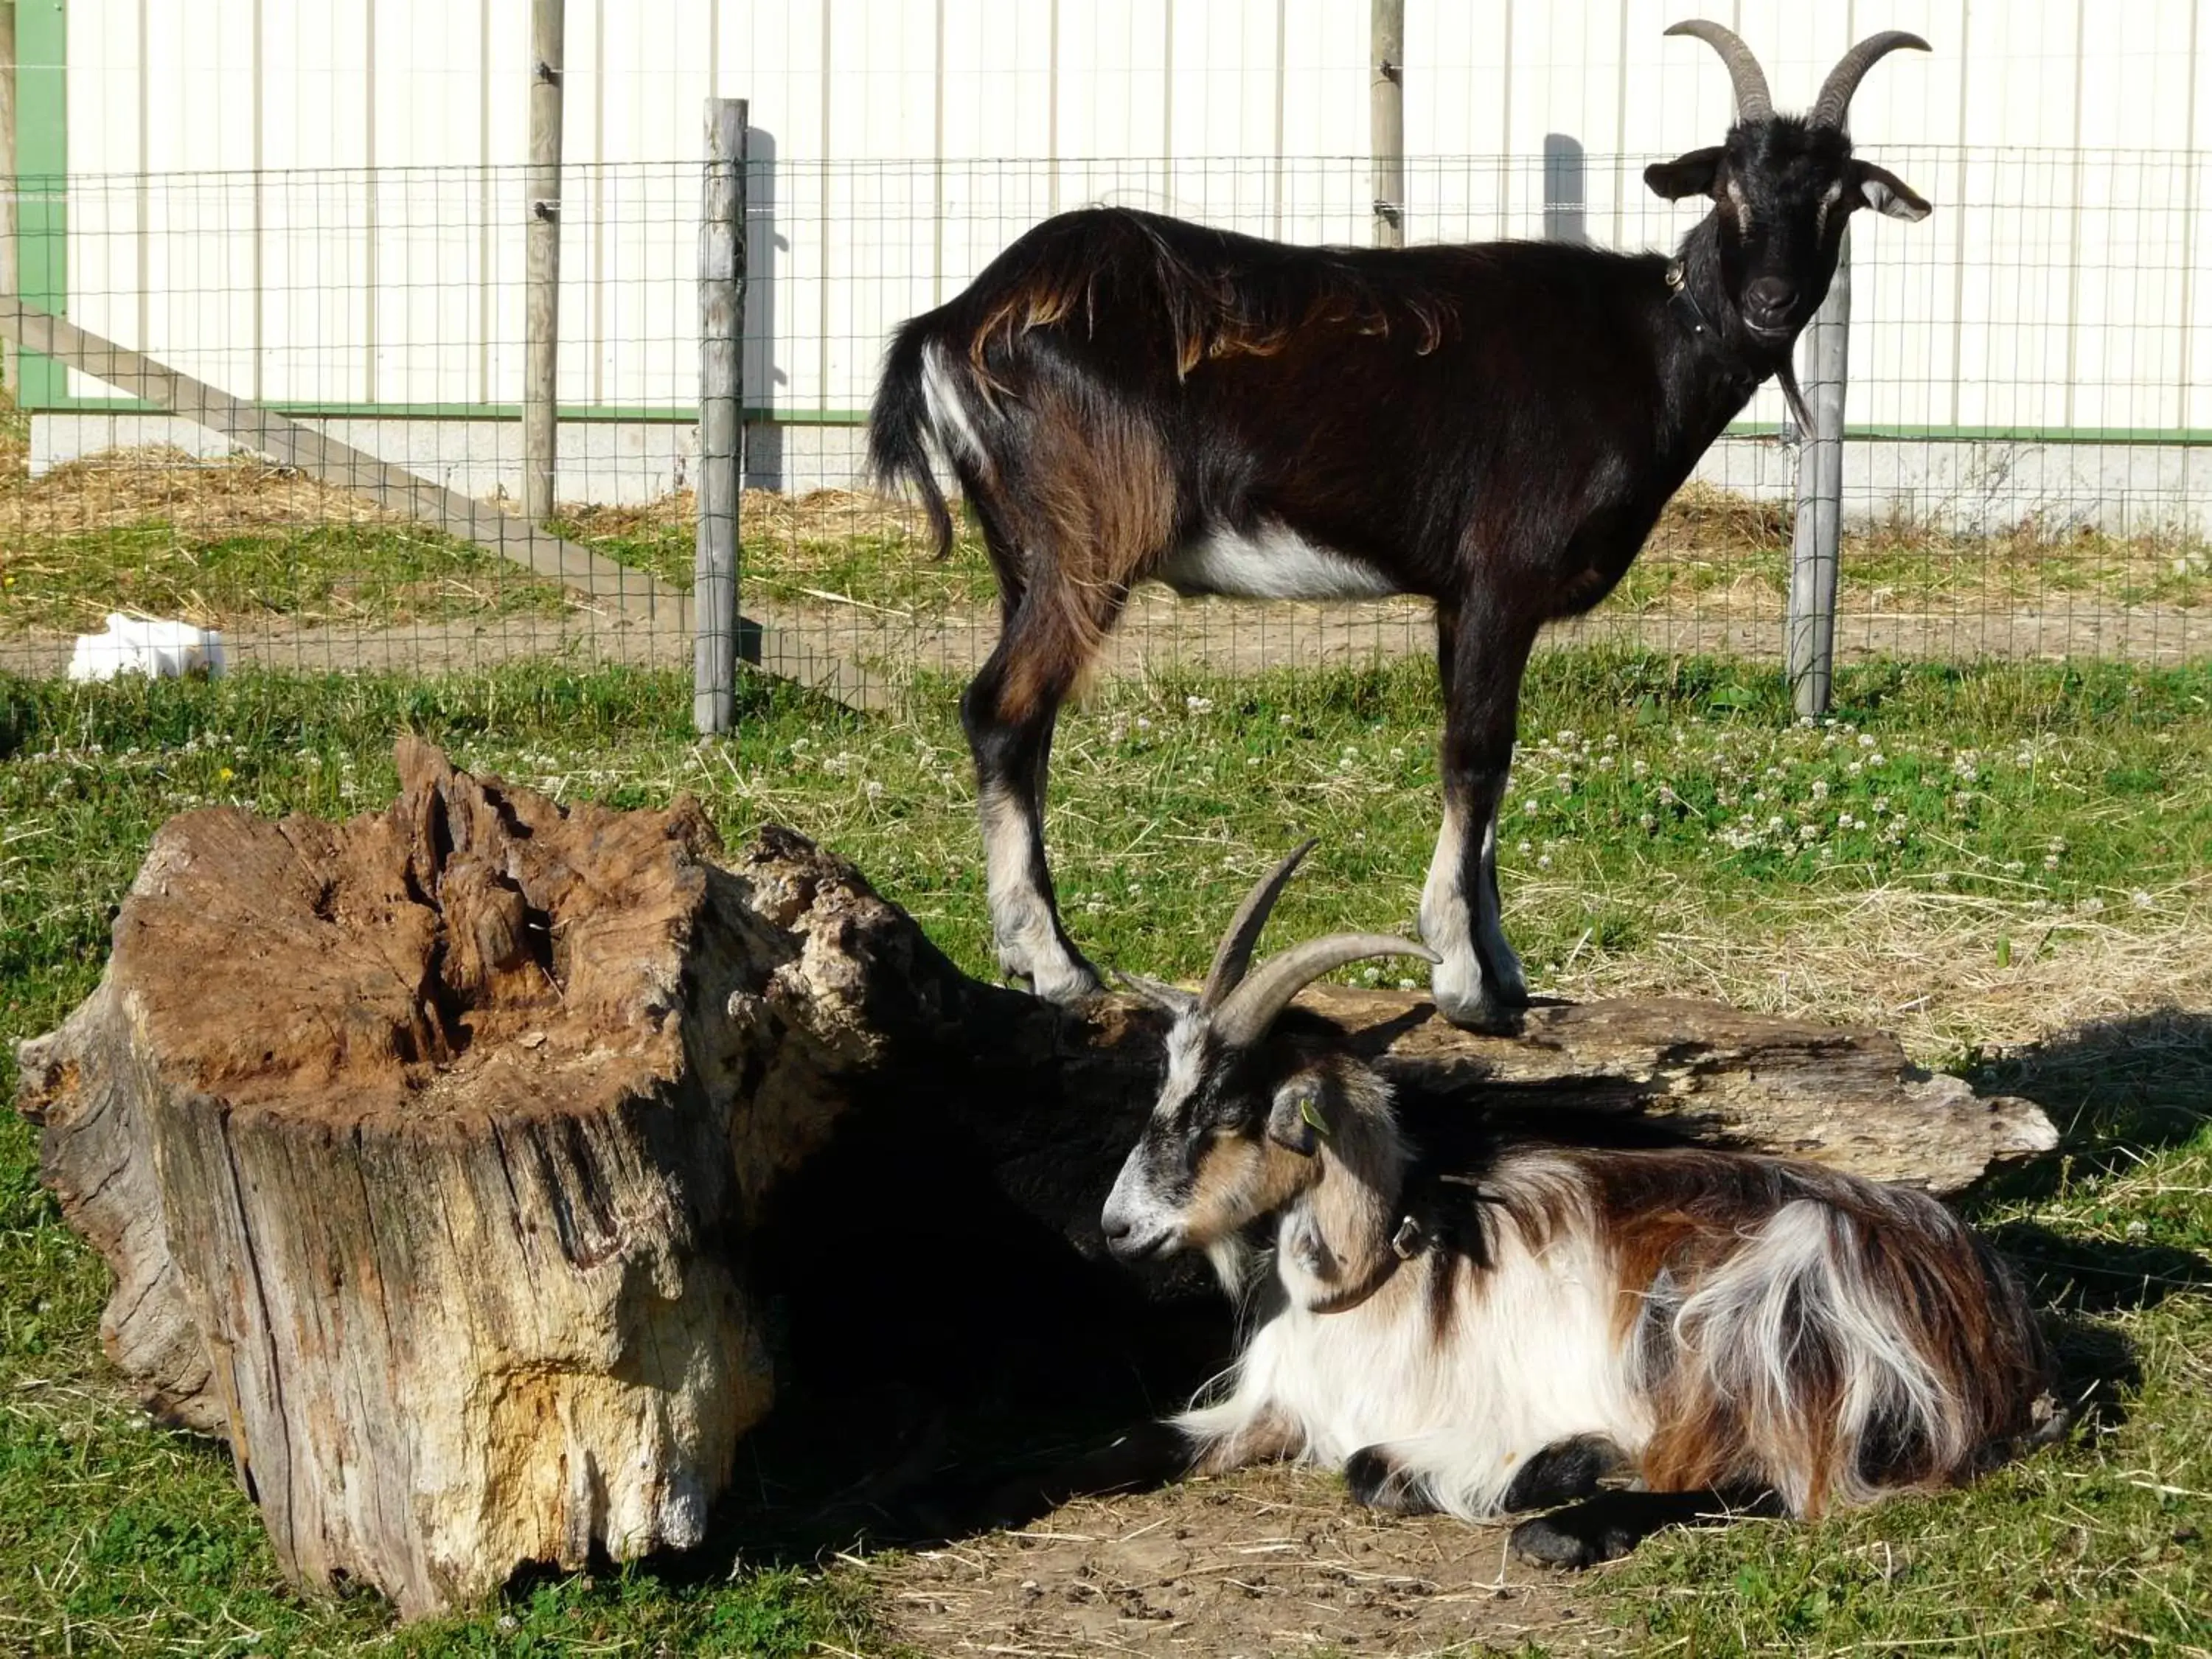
{"x": 1009, "y": 711}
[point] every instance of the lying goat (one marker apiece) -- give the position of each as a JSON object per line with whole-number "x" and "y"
{"x": 1494, "y": 427}
{"x": 1494, "y": 1329}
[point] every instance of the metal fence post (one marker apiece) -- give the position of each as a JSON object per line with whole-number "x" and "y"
{"x": 721, "y": 418}
{"x": 1811, "y": 644}
{"x": 1386, "y": 119}
{"x": 541, "y": 303}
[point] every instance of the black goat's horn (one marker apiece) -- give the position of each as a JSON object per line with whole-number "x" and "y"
{"x": 1753, "y": 101}
{"x": 1834, "y": 103}
{"x": 1234, "y": 954}
{"x": 1245, "y": 1017}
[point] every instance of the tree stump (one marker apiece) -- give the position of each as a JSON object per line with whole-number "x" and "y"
{"x": 438, "y": 1155}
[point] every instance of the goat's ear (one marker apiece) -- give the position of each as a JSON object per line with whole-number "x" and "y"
{"x": 1885, "y": 192}
{"x": 1698, "y": 173}
{"x": 1298, "y": 1117}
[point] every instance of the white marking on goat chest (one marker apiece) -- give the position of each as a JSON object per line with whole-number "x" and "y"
{"x": 1271, "y": 561}
{"x": 1529, "y": 1357}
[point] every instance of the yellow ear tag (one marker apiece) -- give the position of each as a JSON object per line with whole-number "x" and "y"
{"x": 1309, "y": 1109}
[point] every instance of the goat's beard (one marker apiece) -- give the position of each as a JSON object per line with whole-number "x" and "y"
{"x": 1787, "y": 375}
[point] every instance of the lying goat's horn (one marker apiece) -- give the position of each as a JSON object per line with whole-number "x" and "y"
{"x": 1235, "y": 954}
{"x": 1752, "y": 101}
{"x": 1834, "y": 103}
{"x": 1247, "y": 1015}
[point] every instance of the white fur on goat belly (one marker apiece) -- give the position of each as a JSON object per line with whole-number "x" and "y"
{"x": 1459, "y": 1382}
{"x": 1268, "y": 562}
{"x": 1720, "y": 1319}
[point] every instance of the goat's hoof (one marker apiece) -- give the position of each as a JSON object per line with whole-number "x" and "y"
{"x": 1377, "y": 1482}
{"x": 1562, "y": 1472}
{"x": 1061, "y": 983}
{"x": 1482, "y": 1012}
{"x": 1543, "y": 1542}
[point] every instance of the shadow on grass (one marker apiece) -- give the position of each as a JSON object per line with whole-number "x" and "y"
{"x": 2115, "y": 1089}
{"x": 2118, "y": 1090}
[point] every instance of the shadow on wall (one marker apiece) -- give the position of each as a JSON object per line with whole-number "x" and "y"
{"x": 1564, "y": 190}
{"x": 763, "y": 464}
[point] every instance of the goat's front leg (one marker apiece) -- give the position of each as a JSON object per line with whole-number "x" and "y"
{"x": 1608, "y": 1526}
{"x": 1009, "y": 712}
{"x": 1481, "y": 659}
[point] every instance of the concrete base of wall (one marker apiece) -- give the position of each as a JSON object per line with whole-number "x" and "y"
{"x": 1974, "y": 486}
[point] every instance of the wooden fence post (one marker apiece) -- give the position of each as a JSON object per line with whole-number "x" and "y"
{"x": 1811, "y": 645}
{"x": 541, "y": 323}
{"x": 1386, "y": 117}
{"x": 721, "y": 418}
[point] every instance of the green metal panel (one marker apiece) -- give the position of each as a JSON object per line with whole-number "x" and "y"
{"x": 42, "y": 181}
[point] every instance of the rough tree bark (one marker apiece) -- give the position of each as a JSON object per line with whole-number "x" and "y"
{"x": 432, "y": 1151}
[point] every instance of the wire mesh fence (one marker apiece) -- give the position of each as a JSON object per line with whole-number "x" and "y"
{"x": 2030, "y": 404}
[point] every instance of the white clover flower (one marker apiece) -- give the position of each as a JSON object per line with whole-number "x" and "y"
{"x": 1523, "y": 848}
{"x": 873, "y": 790}
{"x": 2143, "y": 901}
{"x": 1820, "y": 789}
{"x": 1808, "y": 832}
{"x": 1199, "y": 705}
{"x": 1544, "y": 861}
{"x": 1866, "y": 739}
{"x": 1639, "y": 768}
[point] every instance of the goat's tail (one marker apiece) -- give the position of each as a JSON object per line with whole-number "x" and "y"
{"x": 1850, "y": 1349}
{"x": 903, "y": 428}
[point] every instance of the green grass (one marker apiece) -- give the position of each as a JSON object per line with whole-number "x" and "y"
{"x": 1976, "y": 858}
{"x": 384, "y": 574}
{"x": 830, "y": 547}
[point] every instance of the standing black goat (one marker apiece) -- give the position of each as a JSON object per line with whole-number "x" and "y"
{"x": 1495, "y": 427}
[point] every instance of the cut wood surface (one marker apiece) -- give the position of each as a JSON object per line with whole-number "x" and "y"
{"x": 433, "y": 1151}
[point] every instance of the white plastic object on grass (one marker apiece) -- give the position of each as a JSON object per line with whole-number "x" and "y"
{"x": 146, "y": 645}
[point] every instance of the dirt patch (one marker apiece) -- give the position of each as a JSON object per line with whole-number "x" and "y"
{"x": 1265, "y": 1562}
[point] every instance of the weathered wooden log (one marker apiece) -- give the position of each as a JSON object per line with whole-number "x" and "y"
{"x": 441, "y": 1156}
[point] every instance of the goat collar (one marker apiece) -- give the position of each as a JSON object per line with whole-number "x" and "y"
{"x": 1407, "y": 1242}
{"x": 1683, "y": 304}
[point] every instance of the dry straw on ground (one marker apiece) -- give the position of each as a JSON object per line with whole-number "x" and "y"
{"x": 1946, "y": 971}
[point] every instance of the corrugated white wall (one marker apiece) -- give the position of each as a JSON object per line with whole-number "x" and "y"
{"x": 376, "y": 256}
